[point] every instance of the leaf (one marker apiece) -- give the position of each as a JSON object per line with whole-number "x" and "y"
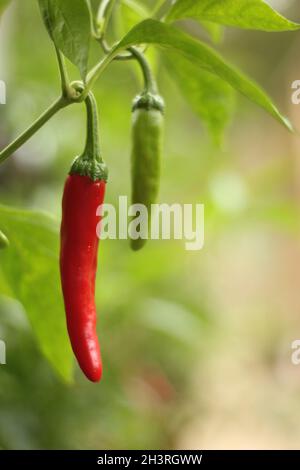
{"x": 210, "y": 97}
{"x": 129, "y": 13}
{"x": 154, "y": 32}
{"x": 69, "y": 25}
{"x": 246, "y": 14}
{"x": 141, "y": 10}
{"x": 30, "y": 267}
{"x": 214, "y": 30}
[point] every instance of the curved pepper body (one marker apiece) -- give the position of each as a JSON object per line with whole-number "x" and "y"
{"x": 78, "y": 265}
{"x": 147, "y": 136}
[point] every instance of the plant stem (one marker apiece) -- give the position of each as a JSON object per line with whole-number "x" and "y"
{"x": 104, "y": 14}
{"x": 94, "y": 74}
{"x": 92, "y": 146}
{"x": 63, "y": 72}
{"x": 101, "y": 11}
{"x": 25, "y": 136}
{"x": 98, "y": 69}
{"x": 150, "y": 83}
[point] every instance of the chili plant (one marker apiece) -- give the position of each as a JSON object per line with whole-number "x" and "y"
{"x": 198, "y": 68}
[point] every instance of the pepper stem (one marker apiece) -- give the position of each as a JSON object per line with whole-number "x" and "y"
{"x": 150, "y": 83}
{"x": 35, "y": 126}
{"x": 90, "y": 162}
{"x": 92, "y": 145}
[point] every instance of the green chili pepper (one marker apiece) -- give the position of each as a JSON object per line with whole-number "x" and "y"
{"x": 147, "y": 134}
{"x": 3, "y": 241}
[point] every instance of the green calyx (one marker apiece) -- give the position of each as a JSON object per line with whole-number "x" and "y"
{"x": 148, "y": 101}
{"x": 84, "y": 166}
{"x": 90, "y": 163}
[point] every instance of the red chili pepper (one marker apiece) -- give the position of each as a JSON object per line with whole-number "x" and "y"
{"x": 83, "y": 194}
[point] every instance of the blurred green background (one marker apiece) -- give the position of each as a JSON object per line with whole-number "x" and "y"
{"x": 196, "y": 345}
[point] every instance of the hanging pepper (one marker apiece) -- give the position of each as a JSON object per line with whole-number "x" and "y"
{"x": 147, "y": 136}
{"x": 83, "y": 193}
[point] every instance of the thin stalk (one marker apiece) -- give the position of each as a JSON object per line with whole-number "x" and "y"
{"x": 104, "y": 15}
{"x": 107, "y": 50}
{"x": 63, "y": 72}
{"x": 92, "y": 145}
{"x": 150, "y": 83}
{"x": 31, "y": 130}
{"x": 95, "y": 73}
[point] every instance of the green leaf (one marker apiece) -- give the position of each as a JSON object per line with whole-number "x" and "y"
{"x": 210, "y": 97}
{"x": 166, "y": 36}
{"x": 30, "y": 267}
{"x": 246, "y": 14}
{"x": 129, "y": 13}
{"x": 136, "y": 7}
{"x": 214, "y": 30}
{"x": 69, "y": 25}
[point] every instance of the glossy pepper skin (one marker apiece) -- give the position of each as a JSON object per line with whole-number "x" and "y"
{"x": 147, "y": 136}
{"x": 83, "y": 194}
{"x": 78, "y": 265}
